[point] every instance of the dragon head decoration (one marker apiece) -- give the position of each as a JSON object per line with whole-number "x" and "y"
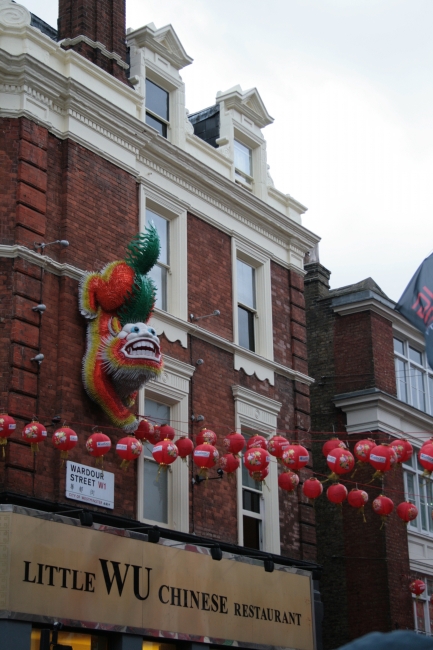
{"x": 122, "y": 351}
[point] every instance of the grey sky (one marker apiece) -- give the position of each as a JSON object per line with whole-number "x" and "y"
{"x": 349, "y": 85}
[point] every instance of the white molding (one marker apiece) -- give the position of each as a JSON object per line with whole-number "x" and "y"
{"x": 253, "y": 411}
{"x": 172, "y": 388}
{"x": 45, "y": 262}
{"x": 420, "y": 552}
{"x": 378, "y": 411}
{"x": 96, "y": 46}
{"x": 163, "y": 41}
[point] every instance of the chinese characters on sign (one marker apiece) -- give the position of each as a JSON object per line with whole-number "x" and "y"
{"x": 89, "y": 484}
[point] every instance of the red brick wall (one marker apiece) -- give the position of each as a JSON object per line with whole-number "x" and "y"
{"x": 99, "y": 20}
{"x": 210, "y": 276}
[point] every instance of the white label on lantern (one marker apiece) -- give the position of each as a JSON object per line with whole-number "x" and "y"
{"x": 379, "y": 459}
{"x": 103, "y": 443}
{"x": 89, "y": 485}
{"x": 73, "y": 437}
{"x": 156, "y": 448}
{"x": 44, "y": 434}
{"x": 426, "y": 457}
{"x": 11, "y": 427}
{"x": 121, "y": 446}
{"x": 202, "y": 454}
{"x": 305, "y": 459}
{"x": 330, "y": 459}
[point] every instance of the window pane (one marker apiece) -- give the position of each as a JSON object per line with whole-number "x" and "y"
{"x": 410, "y": 496}
{"x": 156, "y": 124}
{"x": 417, "y": 385}
{"x": 246, "y": 328}
{"x": 429, "y": 496}
{"x": 159, "y": 276}
{"x": 155, "y": 492}
{"x": 423, "y": 502}
{"x": 243, "y": 160}
{"x": 251, "y": 501}
{"x": 156, "y": 99}
{"x": 420, "y": 617}
{"x": 246, "y": 284}
{"x": 398, "y": 346}
{"x": 72, "y": 639}
{"x": 400, "y": 374}
{"x": 162, "y": 226}
{"x": 414, "y": 355}
{"x": 252, "y": 532}
{"x": 157, "y": 412}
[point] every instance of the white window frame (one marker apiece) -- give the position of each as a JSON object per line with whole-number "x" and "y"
{"x": 177, "y": 276}
{"x": 424, "y": 368}
{"x": 253, "y": 412}
{"x": 263, "y": 328}
{"x": 171, "y": 388}
{"x": 155, "y": 116}
{"x": 414, "y": 496}
{"x": 246, "y": 137}
{"x": 176, "y": 100}
{"x": 424, "y": 599}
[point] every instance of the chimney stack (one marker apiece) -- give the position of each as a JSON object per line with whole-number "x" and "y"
{"x": 96, "y": 30}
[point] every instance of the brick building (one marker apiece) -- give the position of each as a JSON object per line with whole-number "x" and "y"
{"x": 95, "y": 143}
{"x": 372, "y": 380}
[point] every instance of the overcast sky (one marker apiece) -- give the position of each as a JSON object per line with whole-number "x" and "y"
{"x": 349, "y": 85}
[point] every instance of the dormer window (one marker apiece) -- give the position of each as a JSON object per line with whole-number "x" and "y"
{"x": 157, "y": 107}
{"x": 243, "y": 163}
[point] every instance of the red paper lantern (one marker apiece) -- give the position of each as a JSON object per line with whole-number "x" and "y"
{"x": 288, "y": 481}
{"x": 295, "y": 457}
{"x": 34, "y": 433}
{"x": 340, "y": 461}
{"x": 206, "y": 435}
{"x": 357, "y": 499}
{"x": 165, "y": 452}
{"x": 144, "y": 429}
{"x": 277, "y": 445}
{"x": 331, "y": 444}
{"x": 417, "y": 587}
{"x": 234, "y": 442}
{"x": 362, "y": 450}
{"x": 259, "y": 475}
{"x": 382, "y": 458}
{"x": 256, "y": 459}
{"x": 427, "y": 442}
{"x": 205, "y": 456}
{"x": 425, "y": 457}
{"x": 7, "y": 427}
{"x": 403, "y": 449}
{"x": 257, "y": 441}
{"x": 64, "y": 439}
{"x": 98, "y": 444}
{"x": 154, "y": 435}
{"x": 312, "y": 488}
{"x": 229, "y": 463}
{"x": 383, "y": 506}
{"x": 128, "y": 448}
{"x": 407, "y": 511}
{"x": 184, "y": 446}
{"x": 336, "y": 493}
{"x": 167, "y": 432}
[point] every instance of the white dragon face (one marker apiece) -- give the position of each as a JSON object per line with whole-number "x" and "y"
{"x": 139, "y": 342}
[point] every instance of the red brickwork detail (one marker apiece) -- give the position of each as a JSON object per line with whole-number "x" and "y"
{"x": 31, "y": 219}
{"x": 28, "y": 269}
{"x": 210, "y": 276}
{"x": 297, "y": 297}
{"x": 24, "y": 382}
{"x": 21, "y": 357}
{"x": 299, "y": 332}
{"x": 9, "y": 142}
{"x": 23, "y": 310}
{"x": 27, "y": 286}
{"x": 31, "y": 197}
{"x": 281, "y": 314}
{"x": 32, "y": 176}
{"x": 297, "y": 281}
{"x": 302, "y": 403}
{"x": 25, "y": 333}
{"x": 25, "y": 237}
{"x": 33, "y": 154}
{"x": 298, "y": 315}
{"x": 37, "y": 135}
{"x": 304, "y": 389}
{"x": 299, "y": 349}
{"x": 383, "y": 354}
{"x": 21, "y": 406}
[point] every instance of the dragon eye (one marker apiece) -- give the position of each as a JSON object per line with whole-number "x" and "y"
{"x": 152, "y": 331}
{"x": 135, "y": 329}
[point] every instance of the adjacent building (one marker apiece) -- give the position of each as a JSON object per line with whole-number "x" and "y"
{"x": 372, "y": 380}
{"x": 96, "y": 142}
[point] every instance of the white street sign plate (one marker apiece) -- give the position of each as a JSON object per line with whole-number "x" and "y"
{"x": 89, "y": 484}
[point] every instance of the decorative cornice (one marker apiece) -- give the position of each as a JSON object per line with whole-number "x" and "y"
{"x": 69, "y": 42}
{"x": 163, "y": 41}
{"x": 248, "y": 103}
{"x": 251, "y": 398}
{"x": 45, "y": 262}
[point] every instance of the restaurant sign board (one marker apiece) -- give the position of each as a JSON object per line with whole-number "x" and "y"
{"x": 66, "y": 572}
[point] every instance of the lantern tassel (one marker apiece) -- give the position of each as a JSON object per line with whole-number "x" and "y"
{"x": 124, "y": 464}
{"x": 34, "y": 447}
{"x": 362, "y": 512}
{"x": 63, "y": 455}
